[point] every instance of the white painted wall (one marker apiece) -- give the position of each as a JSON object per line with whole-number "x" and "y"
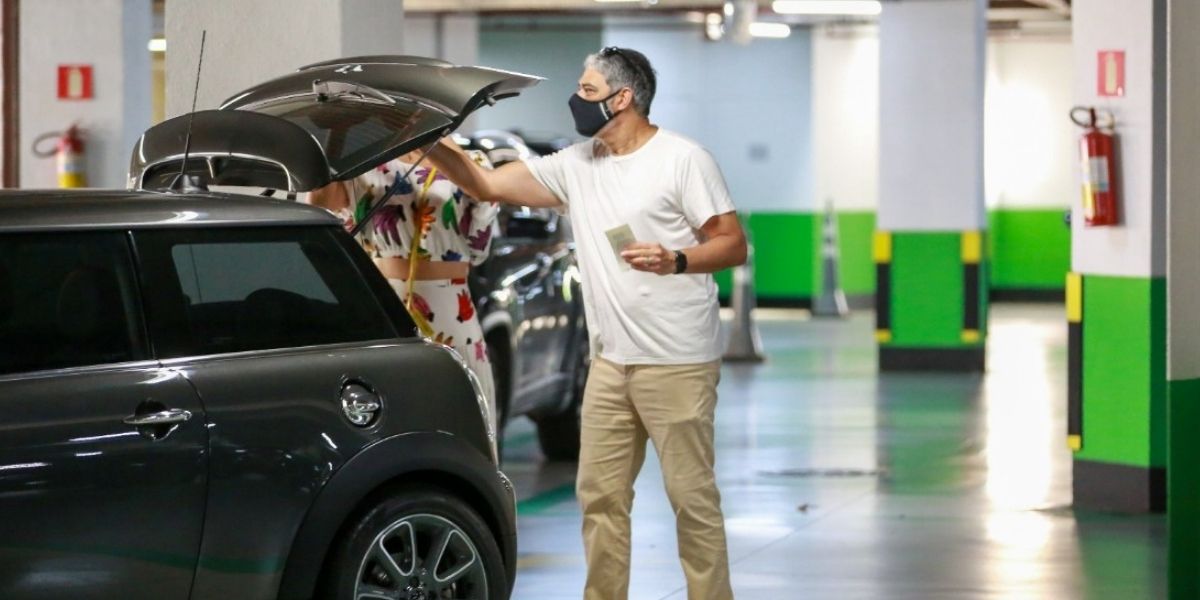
{"x": 110, "y": 35}
{"x": 1029, "y": 144}
{"x": 749, "y": 105}
{"x": 251, "y": 42}
{"x": 1030, "y": 152}
{"x": 845, "y": 121}
{"x": 450, "y": 37}
{"x": 1183, "y": 192}
{"x": 553, "y": 48}
{"x": 1137, "y": 247}
{"x": 932, "y": 59}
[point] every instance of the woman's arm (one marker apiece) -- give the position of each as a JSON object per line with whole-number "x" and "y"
{"x": 331, "y": 197}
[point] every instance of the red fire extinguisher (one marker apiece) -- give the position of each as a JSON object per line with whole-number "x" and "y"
{"x": 68, "y": 153}
{"x": 1098, "y": 164}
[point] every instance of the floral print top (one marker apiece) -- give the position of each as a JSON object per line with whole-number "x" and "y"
{"x": 458, "y": 228}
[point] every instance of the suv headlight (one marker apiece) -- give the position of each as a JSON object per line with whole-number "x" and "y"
{"x": 485, "y": 408}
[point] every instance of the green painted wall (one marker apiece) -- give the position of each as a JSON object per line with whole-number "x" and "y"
{"x": 856, "y": 266}
{"x": 785, "y": 256}
{"x": 1183, "y": 490}
{"x": 1028, "y": 249}
{"x": 1124, "y": 370}
{"x": 927, "y": 290}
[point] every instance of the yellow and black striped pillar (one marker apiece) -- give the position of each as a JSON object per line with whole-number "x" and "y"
{"x": 972, "y": 257}
{"x": 1075, "y": 361}
{"x": 931, "y": 301}
{"x": 882, "y": 253}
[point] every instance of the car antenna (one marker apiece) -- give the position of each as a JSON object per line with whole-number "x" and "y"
{"x": 182, "y": 183}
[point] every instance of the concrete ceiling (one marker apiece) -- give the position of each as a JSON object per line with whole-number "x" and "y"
{"x": 1002, "y": 9}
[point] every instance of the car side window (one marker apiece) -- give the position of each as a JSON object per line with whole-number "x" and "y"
{"x": 215, "y": 291}
{"x": 67, "y": 300}
{"x": 523, "y": 223}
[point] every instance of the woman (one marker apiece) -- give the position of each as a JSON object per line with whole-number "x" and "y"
{"x": 450, "y": 231}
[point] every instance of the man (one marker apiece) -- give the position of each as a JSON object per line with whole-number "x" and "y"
{"x": 652, "y": 220}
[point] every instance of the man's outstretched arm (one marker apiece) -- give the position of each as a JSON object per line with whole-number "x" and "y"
{"x": 512, "y": 183}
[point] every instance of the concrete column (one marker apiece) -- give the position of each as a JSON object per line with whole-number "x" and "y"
{"x": 931, "y": 301}
{"x": 250, "y": 42}
{"x": 1117, "y": 289}
{"x": 1183, "y": 298}
{"x": 110, "y": 36}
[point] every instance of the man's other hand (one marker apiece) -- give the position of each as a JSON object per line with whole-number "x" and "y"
{"x": 648, "y": 257}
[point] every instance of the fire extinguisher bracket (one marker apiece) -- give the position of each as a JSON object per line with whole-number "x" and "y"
{"x": 68, "y": 152}
{"x": 1089, "y": 117}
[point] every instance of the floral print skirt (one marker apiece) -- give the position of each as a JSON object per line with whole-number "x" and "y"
{"x": 447, "y": 306}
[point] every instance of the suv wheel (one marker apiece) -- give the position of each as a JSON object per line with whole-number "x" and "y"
{"x": 559, "y": 434}
{"x": 420, "y": 544}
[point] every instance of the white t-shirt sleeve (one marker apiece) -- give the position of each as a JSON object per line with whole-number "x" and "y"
{"x": 702, "y": 188}
{"x": 551, "y": 171}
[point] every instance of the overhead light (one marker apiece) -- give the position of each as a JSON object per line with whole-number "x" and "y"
{"x": 157, "y": 45}
{"x": 827, "y": 7}
{"x": 714, "y": 27}
{"x": 776, "y": 31}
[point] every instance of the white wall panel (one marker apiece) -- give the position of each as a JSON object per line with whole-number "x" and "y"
{"x": 931, "y": 115}
{"x": 109, "y": 35}
{"x": 1137, "y": 247}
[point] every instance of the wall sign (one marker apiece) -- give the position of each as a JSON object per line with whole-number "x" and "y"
{"x": 1110, "y": 73}
{"x": 74, "y": 82}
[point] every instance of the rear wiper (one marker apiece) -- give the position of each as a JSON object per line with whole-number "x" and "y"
{"x": 328, "y": 90}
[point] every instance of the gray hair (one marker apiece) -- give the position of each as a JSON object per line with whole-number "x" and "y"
{"x": 625, "y": 68}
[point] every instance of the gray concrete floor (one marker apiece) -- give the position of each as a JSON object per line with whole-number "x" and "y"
{"x": 843, "y": 483}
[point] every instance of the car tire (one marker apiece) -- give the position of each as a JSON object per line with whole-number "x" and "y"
{"x": 385, "y": 550}
{"x": 558, "y": 434}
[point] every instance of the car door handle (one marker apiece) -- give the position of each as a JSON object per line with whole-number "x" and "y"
{"x": 170, "y": 416}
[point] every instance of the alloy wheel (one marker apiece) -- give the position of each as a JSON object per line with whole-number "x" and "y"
{"x": 422, "y": 557}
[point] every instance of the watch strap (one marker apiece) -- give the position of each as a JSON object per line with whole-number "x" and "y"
{"x": 680, "y": 262}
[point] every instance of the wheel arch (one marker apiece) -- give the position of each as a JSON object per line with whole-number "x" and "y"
{"x": 500, "y": 325}
{"x": 432, "y": 458}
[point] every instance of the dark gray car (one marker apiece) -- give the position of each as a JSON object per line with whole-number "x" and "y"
{"x": 214, "y": 396}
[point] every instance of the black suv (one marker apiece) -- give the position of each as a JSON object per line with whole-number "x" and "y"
{"x": 530, "y": 303}
{"x": 207, "y": 395}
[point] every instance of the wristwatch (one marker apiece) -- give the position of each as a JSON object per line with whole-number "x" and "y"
{"x": 680, "y": 262}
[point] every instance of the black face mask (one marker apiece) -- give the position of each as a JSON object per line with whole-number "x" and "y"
{"x": 590, "y": 115}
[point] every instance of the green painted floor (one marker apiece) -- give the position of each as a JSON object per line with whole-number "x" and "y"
{"x": 843, "y": 484}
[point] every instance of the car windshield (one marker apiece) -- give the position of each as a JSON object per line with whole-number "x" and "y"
{"x": 355, "y": 134}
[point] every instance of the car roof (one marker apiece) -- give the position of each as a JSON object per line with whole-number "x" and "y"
{"x": 41, "y": 210}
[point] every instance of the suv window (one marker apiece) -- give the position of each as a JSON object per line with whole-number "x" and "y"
{"x": 67, "y": 300}
{"x": 231, "y": 290}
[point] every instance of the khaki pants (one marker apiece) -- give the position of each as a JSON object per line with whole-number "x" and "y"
{"x": 623, "y": 406}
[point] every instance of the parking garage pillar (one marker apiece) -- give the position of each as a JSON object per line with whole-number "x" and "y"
{"x": 1183, "y": 298}
{"x": 931, "y": 301}
{"x": 1117, "y": 290}
{"x": 250, "y": 42}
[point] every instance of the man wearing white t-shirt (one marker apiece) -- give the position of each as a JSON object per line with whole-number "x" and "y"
{"x": 653, "y": 220}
